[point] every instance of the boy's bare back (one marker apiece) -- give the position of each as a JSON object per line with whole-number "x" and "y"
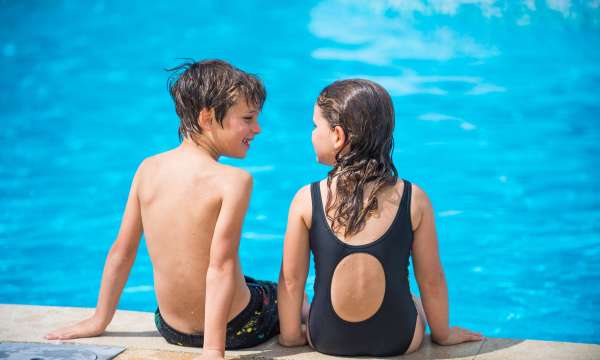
{"x": 180, "y": 196}
{"x": 191, "y": 209}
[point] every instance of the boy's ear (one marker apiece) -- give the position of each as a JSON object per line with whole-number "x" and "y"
{"x": 205, "y": 119}
{"x": 339, "y": 138}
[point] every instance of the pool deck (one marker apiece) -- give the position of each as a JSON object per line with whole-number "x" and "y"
{"x": 135, "y": 331}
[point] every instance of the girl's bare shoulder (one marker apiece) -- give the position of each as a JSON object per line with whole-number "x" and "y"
{"x": 301, "y": 205}
{"x": 419, "y": 205}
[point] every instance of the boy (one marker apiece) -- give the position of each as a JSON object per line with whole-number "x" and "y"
{"x": 190, "y": 209}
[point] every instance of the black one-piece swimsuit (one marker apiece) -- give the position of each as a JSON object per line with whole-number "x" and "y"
{"x": 390, "y": 330}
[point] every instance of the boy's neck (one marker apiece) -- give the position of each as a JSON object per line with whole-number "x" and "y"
{"x": 201, "y": 147}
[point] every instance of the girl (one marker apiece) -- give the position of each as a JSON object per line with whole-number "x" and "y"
{"x": 361, "y": 224}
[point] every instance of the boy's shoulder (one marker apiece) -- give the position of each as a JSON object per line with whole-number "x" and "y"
{"x": 235, "y": 184}
{"x": 225, "y": 179}
{"x": 155, "y": 160}
{"x": 233, "y": 176}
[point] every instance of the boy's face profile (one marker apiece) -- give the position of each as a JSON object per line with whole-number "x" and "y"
{"x": 240, "y": 125}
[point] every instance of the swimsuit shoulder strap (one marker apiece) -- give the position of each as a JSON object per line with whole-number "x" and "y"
{"x": 317, "y": 206}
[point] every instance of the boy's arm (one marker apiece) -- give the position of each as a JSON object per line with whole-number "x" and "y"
{"x": 294, "y": 269}
{"x": 116, "y": 271}
{"x": 220, "y": 277}
{"x": 430, "y": 276}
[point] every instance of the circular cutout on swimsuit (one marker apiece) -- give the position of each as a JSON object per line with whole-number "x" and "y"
{"x": 357, "y": 287}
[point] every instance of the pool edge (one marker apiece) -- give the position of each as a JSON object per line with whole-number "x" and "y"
{"x": 136, "y": 332}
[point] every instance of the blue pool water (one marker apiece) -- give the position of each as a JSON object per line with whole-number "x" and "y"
{"x": 498, "y": 119}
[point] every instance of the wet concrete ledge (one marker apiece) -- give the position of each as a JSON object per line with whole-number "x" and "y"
{"x": 136, "y": 332}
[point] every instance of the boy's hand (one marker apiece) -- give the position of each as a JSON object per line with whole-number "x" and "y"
{"x": 208, "y": 354}
{"x": 298, "y": 340}
{"x": 459, "y": 335}
{"x": 86, "y": 328}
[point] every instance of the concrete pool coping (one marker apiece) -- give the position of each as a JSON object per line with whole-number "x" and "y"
{"x": 136, "y": 332}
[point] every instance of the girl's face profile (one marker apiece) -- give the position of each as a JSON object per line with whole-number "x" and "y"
{"x": 322, "y": 138}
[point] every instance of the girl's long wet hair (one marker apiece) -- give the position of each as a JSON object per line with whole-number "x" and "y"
{"x": 364, "y": 110}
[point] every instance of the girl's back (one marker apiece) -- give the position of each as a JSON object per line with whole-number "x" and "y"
{"x": 362, "y": 225}
{"x": 362, "y": 303}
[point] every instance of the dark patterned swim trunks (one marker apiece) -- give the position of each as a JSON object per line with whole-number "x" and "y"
{"x": 257, "y": 323}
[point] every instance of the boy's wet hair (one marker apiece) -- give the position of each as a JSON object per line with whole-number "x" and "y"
{"x": 364, "y": 110}
{"x": 210, "y": 84}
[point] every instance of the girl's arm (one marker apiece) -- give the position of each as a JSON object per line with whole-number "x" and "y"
{"x": 116, "y": 271}
{"x": 294, "y": 270}
{"x": 430, "y": 275}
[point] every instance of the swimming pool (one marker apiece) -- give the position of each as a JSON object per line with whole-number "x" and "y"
{"x": 498, "y": 119}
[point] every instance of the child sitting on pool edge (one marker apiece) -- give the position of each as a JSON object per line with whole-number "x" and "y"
{"x": 362, "y": 223}
{"x": 191, "y": 208}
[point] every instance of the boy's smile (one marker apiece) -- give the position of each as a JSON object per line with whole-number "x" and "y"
{"x": 240, "y": 126}
{"x": 246, "y": 141}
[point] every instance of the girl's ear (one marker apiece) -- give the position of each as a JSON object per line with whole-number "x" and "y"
{"x": 205, "y": 119}
{"x": 339, "y": 138}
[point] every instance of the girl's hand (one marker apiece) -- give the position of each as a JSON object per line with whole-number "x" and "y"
{"x": 86, "y": 328}
{"x": 459, "y": 335}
